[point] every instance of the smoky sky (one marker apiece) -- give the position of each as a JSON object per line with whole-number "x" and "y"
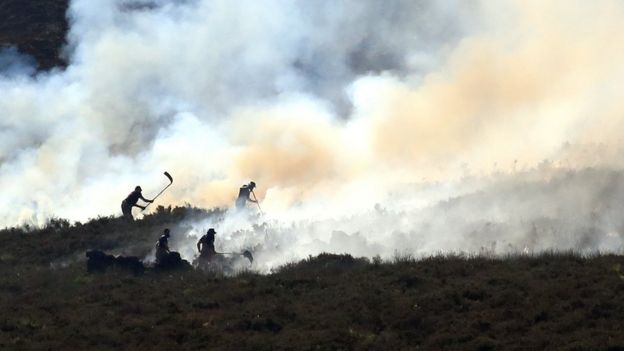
{"x": 246, "y": 52}
{"x": 334, "y": 108}
{"x": 138, "y": 68}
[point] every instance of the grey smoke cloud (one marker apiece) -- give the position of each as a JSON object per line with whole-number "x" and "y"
{"x": 13, "y": 64}
{"x": 332, "y": 107}
{"x": 141, "y": 75}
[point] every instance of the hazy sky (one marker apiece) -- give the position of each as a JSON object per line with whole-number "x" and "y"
{"x": 330, "y": 106}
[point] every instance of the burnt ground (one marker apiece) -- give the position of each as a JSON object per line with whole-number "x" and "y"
{"x": 35, "y": 27}
{"x": 48, "y": 301}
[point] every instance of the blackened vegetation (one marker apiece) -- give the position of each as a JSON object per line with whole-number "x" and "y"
{"x": 549, "y": 301}
{"x": 35, "y": 28}
{"x": 61, "y": 241}
{"x": 99, "y": 262}
{"x": 172, "y": 262}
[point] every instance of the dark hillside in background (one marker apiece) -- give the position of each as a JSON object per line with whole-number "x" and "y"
{"x": 35, "y": 27}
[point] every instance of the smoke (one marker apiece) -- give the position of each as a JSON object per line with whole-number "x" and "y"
{"x": 13, "y": 64}
{"x": 416, "y": 126}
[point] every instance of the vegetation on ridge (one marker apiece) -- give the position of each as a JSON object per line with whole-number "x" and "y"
{"x": 555, "y": 301}
{"x": 35, "y": 28}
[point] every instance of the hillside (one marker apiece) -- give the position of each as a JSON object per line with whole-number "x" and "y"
{"x": 49, "y": 301}
{"x": 333, "y": 301}
{"x": 35, "y": 28}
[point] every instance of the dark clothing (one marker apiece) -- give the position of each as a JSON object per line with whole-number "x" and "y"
{"x": 207, "y": 250}
{"x": 162, "y": 248}
{"x": 133, "y": 198}
{"x": 126, "y": 209}
{"x": 207, "y": 245}
{"x": 163, "y": 242}
{"x": 243, "y": 196}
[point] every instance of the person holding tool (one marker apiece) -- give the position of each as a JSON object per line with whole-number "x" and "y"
{"x": 132, "y": 199}
{"x": 208, "y": 254}
{"x": 205, "y": 245}
{"x": 244, "y": 195}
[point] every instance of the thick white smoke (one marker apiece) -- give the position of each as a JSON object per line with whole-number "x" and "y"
{"x": 468, "y": 124}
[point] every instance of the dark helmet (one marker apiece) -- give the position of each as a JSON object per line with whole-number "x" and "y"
{"x": 211, "y": 231}
{"x": 138, "y": 188}
{"x": 252, "y": 184}
{"x": 167, "y": 232}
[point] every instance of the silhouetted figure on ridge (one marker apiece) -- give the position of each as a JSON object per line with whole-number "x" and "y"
{"x": 244, "y": 195}
{"x": 131, "y": 201}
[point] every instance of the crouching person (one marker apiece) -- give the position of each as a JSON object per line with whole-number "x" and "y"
{"x": 167, "y": 259}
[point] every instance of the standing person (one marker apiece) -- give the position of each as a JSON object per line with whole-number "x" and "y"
{"x": 131, "y": 201}
{"x": 244, "y": 195}
{"x": 205, "y": 245}
{"x": 162, "y": 246}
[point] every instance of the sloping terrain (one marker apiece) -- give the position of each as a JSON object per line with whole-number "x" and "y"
{"x": 49, "y": 301}
{"x": 35, "y": 28}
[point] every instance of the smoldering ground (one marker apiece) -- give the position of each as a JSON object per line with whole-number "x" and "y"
{"x": 525, "y": 212}
{"x": 332, "y": 108}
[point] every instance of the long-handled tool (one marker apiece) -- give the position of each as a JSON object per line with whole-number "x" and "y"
{"x": 257, "y": 202}
{"x": 170, "y": 182}
{"x": 266, "y": 234}
{"x": 247, "y": 254}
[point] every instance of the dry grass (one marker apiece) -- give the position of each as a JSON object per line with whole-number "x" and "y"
{"x": 554, "y": 301}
